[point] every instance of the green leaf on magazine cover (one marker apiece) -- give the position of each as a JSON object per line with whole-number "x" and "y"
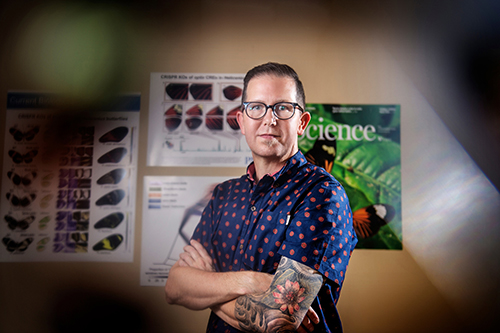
{"x": 365, "y": 166}
{"x": 354, "y": 195}
{"x": 345, "y": 147}
{"x": 384, "y": 239}
{"x": 392, "y": 180}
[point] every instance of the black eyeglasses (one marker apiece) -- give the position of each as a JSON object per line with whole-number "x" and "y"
{"x": 282, "y": 110}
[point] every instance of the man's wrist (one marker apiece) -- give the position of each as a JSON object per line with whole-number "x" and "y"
{"x": 253, "y": 282}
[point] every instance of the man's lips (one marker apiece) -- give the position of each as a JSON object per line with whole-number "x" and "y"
{"x": 268, "y": 136}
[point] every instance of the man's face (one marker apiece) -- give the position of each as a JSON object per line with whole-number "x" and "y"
{"x": 270, "y": 138}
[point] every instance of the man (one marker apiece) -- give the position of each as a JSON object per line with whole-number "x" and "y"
{"x": 272, "y": 247}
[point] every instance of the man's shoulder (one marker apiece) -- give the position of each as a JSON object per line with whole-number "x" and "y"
{"x": 300, "y": 167}
{"x": 316, "y": 174}
{"x": 230, "y": 183}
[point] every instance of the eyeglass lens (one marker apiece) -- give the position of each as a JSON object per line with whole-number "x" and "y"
{"x": 257, "y": 110}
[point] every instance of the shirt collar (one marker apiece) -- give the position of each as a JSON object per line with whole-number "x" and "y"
{"x": 251, "y": 171}
{"x": 295, "y": 162}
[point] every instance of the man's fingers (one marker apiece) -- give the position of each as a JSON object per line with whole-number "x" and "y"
{"x": 308, "y": 322}
{"x": 196, "y": 256}
{"x": 201, "y": 250}
{"x": 306, "y": 326}
{"x": 312, "y": 315}
{"x": 192, "y": 251}
{"x": 186, "y": 258}
{"x": 202, "y": 256}
{"x": 197, "y": 245}
{"x": 301, "y": 329}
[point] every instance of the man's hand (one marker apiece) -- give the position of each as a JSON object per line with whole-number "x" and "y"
{"x": 193, "y": 282}
{"x": 196, "y": 256}
{"x": 307, "y": 323}
{"x": 285, "y": 304}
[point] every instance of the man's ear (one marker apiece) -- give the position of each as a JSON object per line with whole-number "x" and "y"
{"x": 305, "y": 117}
{"x": 239, "y": 119}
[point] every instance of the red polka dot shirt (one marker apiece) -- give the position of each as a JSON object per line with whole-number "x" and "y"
{"x": 301, "y": 212}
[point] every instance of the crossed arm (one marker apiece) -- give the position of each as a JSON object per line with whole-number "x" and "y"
{"x": 249, "y": 301}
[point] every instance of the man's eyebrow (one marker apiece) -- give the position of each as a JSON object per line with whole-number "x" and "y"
{"x": 278, "y": 101}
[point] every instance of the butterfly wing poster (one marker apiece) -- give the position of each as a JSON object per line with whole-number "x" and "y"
{"x": 68, "y": 180}
{"x": 360, "y": 146}
{"x": 192, "y": 120}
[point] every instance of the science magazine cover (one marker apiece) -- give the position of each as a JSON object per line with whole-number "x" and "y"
{"x": 360, "y": 146}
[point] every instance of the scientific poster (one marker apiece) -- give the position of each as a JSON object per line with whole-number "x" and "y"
{"x": 172, "y": 207}
{"x": 192, "y": 120}
{"x": 68, "y": 181}
{"x": 360, "y": 146}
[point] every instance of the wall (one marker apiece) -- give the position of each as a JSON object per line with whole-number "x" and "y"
{"x": 344, "y": 54}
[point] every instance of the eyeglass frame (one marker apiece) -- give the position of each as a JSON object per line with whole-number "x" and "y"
{"x": 295, "y": 105}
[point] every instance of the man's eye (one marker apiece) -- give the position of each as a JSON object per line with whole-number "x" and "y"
{"x": 283, "y": 108}
{"x": 255, "y": 107}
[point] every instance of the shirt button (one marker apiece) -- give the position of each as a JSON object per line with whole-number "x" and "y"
{"x": 253, "y": 208}
{"x": 241, "y": 246}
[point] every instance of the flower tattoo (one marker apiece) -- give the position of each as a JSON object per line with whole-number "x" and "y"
{"x": 289, "y": 296}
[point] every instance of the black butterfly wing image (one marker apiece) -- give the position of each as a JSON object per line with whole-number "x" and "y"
{"x": 323, "y": 154}
{"x": 20, "y": 158}
{"x": 368, "y": 220}
{"x": 13, "y": 246}
{"x": 21, "y": 224}
{"x": 27, "y": 136}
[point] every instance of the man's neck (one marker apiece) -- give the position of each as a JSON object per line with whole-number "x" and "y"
{"x": 266, "y": 166}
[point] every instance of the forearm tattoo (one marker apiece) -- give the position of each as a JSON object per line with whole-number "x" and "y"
{"x": 283, "y": 306}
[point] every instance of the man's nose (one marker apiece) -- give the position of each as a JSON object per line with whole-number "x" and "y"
{"x": 270, "y": 117}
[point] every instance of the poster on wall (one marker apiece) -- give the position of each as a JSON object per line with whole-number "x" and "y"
{"x": 192, "y": 120}
{"x": 172, "y": 207}
{"x": 68, "y": 180}
{"x": 360, "y": 146}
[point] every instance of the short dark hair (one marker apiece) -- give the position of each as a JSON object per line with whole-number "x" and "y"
{"x": 279, "y": 70}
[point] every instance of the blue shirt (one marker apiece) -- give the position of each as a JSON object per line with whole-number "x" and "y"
{"x": 301, "y": 212}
